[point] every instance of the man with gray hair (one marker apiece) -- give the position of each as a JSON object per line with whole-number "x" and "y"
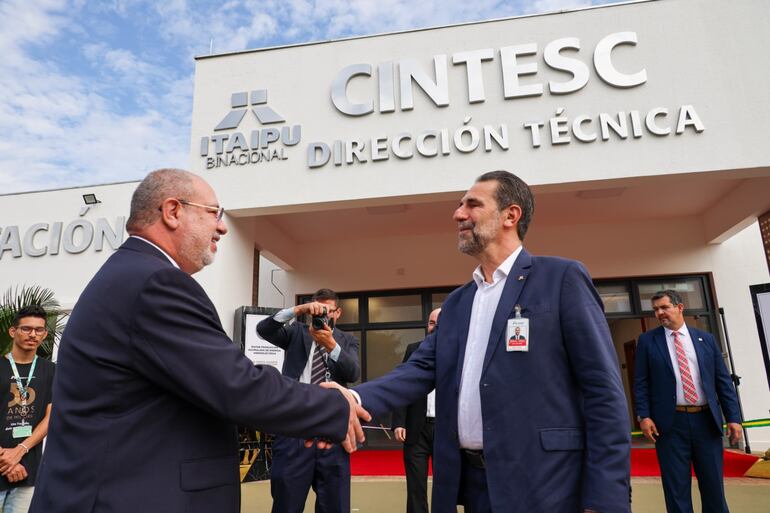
{"x": 540, "y": 427}
{"x": 149, "y": 387}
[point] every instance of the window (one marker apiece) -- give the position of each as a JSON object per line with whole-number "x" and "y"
{"x": 386, "y": 322}
{"x": 615, "y": 296}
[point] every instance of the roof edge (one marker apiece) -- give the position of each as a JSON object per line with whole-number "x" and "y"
{"x": 423, "y": 29}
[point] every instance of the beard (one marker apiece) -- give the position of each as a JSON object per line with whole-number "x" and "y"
{"x": 480, "y": 236}
{"x": 197, "y": 249}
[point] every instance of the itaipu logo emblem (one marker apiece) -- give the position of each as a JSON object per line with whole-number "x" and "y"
{"x": 263, "y": 143}
{"x": 239, "y": 102}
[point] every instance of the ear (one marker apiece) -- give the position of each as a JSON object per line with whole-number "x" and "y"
{"x": 511, "y": 216}
{"x": 170, "y": 211}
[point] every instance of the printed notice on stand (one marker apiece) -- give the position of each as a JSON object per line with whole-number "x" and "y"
{"x": 259, "y": 350}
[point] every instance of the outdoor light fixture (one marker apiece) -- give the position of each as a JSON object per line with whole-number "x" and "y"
{"x": 89, "y": 200}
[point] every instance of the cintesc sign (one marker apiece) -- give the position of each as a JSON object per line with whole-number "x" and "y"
{"x": 512, "y": 63}
{"x": 74, "y": 237}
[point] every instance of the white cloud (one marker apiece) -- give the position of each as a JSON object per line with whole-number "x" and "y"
{"x": 63, "y": 129}
{"x": 122, "y": 106}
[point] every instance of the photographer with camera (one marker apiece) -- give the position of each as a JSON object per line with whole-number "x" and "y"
{"x": 314, "y": 354}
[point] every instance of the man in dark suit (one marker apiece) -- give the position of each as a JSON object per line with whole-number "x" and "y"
{"x": 539, "y": 429}
{"x": 413, "y": 426}
{"x": 312, "y": 356}
{"x": 681, "y": 388}
{"x": 148, "y": 386}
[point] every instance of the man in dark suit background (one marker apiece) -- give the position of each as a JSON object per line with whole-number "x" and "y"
{"x": 681, "y": 389}
{"x": 148, "y": 386}
{"x": 413, "y": 426}
{"x": 544, "y": 429}
{"x": 312, "y": 356}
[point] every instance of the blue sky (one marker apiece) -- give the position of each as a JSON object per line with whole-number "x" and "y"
{"x": 97, "y": 92}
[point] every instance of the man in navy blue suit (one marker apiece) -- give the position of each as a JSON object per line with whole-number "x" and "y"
{"x": 312, "y": 356}
{"x": 413, "y": 426}
{"x": 541, "y": 427}
{"x": 681, "y": 389}
{"x": 148, "y": 386}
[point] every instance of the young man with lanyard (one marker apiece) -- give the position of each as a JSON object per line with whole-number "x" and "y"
{"x": 24, "y": 421}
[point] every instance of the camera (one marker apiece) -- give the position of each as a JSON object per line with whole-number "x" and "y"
{"x": 320, "y": 321}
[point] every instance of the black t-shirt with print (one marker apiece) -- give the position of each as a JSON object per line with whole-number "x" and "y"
{"x": 13, "y": 412}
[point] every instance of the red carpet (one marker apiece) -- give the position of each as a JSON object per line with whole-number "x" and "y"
{"x": 643, "y": 463}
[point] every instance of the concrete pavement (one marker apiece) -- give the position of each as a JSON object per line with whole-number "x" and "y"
{"x": 387, "y": 495}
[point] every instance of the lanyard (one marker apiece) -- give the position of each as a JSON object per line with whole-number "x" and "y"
{"x": 17, "y": 377}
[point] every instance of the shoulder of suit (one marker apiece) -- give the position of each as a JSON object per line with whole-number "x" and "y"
{"x": 455, "y": 295}
{"x": 651, "y": 333}
{"x": 555, "y": 261}
{"x": 346, "y": 335}
{"x": 696, "y": 333}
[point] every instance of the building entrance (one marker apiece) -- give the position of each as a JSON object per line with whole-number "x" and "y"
{"x": 387, "y": 321}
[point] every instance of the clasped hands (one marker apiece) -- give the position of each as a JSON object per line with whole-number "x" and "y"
{"x": 10, "y": 468}
{"x": 355, "y": 431}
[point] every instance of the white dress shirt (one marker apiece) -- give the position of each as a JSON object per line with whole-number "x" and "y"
{"x": 430, "y": 408}
{"x": 469, "y": 421}
{"x": 692, "y": 361}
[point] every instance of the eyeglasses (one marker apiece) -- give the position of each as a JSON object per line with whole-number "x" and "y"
{"x": 219, "y": 211}
{"x": 29, "y": 329}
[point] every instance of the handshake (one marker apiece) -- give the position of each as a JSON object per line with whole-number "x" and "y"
{"x": 355, "y": 431}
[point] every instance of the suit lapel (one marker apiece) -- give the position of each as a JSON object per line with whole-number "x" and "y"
{"x": 514, "y": 284}
{"x": 700, "y": 350}
{"x": 660, "y": 342}
{"x": 465, "y": 305}
{"x": 308, "y": 343}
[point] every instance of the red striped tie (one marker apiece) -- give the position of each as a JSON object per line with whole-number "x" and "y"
{"x": 690, "y": 394}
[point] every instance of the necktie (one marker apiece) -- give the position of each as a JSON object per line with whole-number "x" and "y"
{"x": 690, "y": 394}
{"x": 318, "y": 370}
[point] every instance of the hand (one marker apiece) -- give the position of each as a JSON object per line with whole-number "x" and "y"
{"x": 324, "y": 338}
{"x": 648, "y": 429}
{"x": 400, "y": 434}
{"x": 16, "y": 473}
{"x": 734, "y": 432}
{"x": 10, "y": 457}
{"x": 314, "y": 308}
{"x": 355, "y": 431}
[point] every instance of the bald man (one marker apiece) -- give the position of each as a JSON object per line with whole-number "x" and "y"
{"x": 149, "y": 387}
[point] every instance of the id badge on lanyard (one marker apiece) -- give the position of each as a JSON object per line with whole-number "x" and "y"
{"x": 517, "y": 336}
{"x": 25, "y": 429}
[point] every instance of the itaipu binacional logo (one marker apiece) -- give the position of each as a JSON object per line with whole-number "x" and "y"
{"x": 263, "y": 144}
